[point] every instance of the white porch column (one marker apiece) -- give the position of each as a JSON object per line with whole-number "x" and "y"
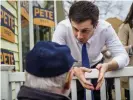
{"x": 5, "y": 87}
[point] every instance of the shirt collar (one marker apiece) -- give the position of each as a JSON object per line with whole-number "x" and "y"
{"x": 92, "y": 37}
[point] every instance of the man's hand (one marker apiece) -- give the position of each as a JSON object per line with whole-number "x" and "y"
{"x": 80, "y": 73}
{"x": 102, "y": 69}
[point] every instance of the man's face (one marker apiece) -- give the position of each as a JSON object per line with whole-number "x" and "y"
{"x": 83, "y": 31}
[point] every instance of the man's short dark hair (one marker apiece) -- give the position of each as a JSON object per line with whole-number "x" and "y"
{"x": 84, "y": 10}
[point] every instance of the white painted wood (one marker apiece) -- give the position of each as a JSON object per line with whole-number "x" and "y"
{"x": 20, "y": 76}
{"x": 16, "y": 30}
{"x": 31, "y": 27}
{"x": 12, "y": 10}
{"x": 4, "y": 85}
{"x": 4, "y": 43}
{"x": 9, "y": 46}
{"x": 13, "y": 92}
{"x": 131, "y": 87}
{"x": 17, "y": 77}
{"x": 55, "y": 12}
{"x": 5, "y": 67}
{"x": 16, "y": 22}
{"x": 16, "y": 38}
{"x": 17, "y": 67}
{"x": 103, "y": 91}
{"x": 74, "y": 90}
{"x": 20, "y": 37}
{"x": 18, "y": 85}
{"x": 117, "y": 89}
{"x": 88, "y": 94}
{"x": 13, "y": 5}
{"x": 16, "y": 56}
{"x": 127, "y": 71}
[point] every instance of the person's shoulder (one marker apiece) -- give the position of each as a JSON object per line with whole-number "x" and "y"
{"x": 65, "y": 22}
{"x": 125, "y": 26}
{"x": 102, "y": 25}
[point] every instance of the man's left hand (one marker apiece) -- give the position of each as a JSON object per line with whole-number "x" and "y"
{"x": 80, "y": 73}
{"x": 102, "y": 69}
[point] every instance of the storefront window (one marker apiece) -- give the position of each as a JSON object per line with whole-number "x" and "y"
{"x": 43, "y": 32}
{"x": 25, "y": 30}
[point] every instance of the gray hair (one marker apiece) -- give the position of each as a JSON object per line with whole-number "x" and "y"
{"x": 45, "y": 83}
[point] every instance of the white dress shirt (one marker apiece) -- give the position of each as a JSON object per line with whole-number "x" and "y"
{"x": 103, "y": 35}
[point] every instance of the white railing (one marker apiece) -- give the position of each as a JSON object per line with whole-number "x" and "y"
{"x": 128, "y": 71}
{"x": 11, "y": 82}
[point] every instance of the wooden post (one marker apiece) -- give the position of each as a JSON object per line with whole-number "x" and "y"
{"x": 5, "y": 87}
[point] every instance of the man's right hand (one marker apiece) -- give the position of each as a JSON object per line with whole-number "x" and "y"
{"x": 79, "y": 72}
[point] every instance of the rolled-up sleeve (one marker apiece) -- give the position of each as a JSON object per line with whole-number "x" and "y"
{"x": 116, "y": 48}
{"x": 59, "y": 34}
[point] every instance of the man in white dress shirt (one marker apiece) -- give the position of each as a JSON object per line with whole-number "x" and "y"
{"x": 84, "y": 26}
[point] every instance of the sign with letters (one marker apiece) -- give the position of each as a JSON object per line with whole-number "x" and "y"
{"x": 7, "y": 57}
{"x": 7, "y": 25}
{"x": 43, "y": 17}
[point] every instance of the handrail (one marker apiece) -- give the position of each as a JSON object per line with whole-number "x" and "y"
{"x": 117, "y": 74}
{"x": 127, "y": 71}
{"x": 18, "y": 77}
{"x": 5, "y": 67}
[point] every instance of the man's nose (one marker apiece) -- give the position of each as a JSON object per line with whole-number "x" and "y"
{"x": 79, "y": 35}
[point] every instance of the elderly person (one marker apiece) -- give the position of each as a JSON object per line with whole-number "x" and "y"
{"x": 48, "y": 73}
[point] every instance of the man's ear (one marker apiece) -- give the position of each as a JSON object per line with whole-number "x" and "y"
{"x": 68, "y": 79}
{"x": 95, "y": 25}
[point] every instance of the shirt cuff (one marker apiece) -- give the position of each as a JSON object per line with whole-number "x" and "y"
{"x": 122, "y": 60}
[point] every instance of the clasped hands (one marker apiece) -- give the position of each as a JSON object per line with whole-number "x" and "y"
{"x": 79, "y": 72}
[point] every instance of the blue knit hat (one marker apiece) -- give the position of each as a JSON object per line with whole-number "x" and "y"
{"x": 49, "y": 59}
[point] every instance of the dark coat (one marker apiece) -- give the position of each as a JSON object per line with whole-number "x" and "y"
{"x": 27, "y": 93}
